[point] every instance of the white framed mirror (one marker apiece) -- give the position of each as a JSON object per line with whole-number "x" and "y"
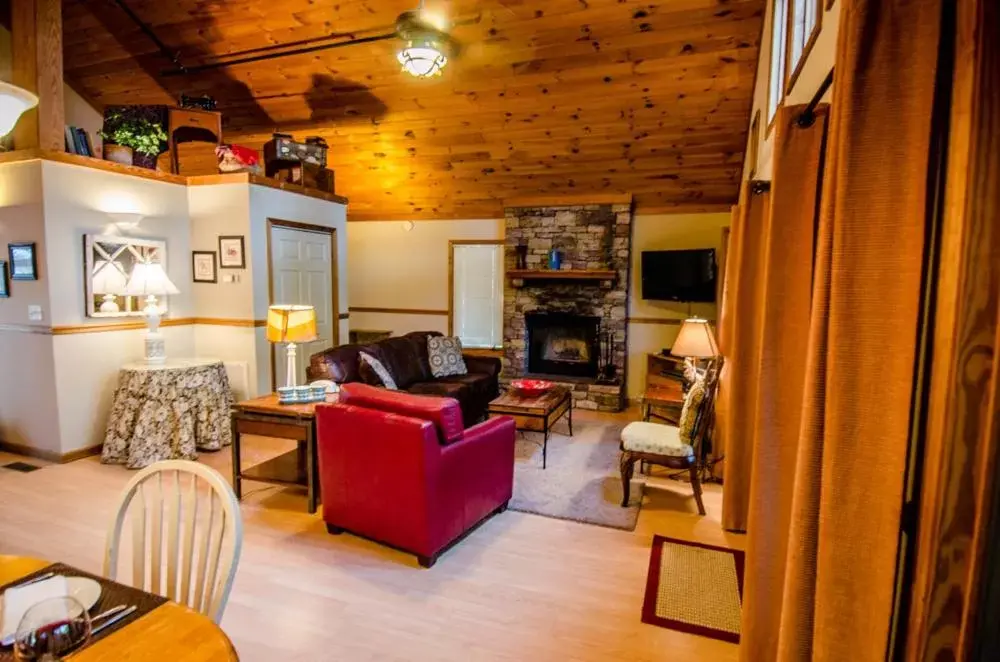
{"x": 109, "y": 261}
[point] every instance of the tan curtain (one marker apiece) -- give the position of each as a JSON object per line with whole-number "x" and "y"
{"x": 835, "y": 599}
{"x": 724, "y": 331}
{"x": 798, "y": 154}
{"x": 741, "y": 349}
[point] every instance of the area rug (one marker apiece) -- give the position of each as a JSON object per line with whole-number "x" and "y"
{"x": 694, "y": 588}
{"x": 582, "y": 481}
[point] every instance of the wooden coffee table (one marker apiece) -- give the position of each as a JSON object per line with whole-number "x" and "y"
{"x": 537, "y": 414}
{"x": 264, "y": 417}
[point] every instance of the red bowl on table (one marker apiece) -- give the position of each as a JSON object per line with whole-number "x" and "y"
{"x": 530, "y": 388}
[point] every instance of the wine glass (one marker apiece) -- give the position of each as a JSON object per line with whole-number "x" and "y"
{"x": 51, "y": 629}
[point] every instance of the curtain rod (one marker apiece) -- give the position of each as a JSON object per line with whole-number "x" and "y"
{"x": 808, "y": 115}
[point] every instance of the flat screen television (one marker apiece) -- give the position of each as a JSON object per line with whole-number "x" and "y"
{"x": 679, "y": 275}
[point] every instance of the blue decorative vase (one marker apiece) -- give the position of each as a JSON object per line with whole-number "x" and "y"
{"x": 555, "y": 259}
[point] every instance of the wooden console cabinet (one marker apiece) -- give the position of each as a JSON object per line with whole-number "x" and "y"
{"x": 664, "y": 393}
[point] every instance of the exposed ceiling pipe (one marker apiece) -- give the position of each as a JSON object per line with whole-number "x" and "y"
{"x": 233, "y": 59}
{"x": 148, "y": 31}
{"x": 259, "y": 54}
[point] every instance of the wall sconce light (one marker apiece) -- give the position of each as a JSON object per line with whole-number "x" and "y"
{"x": 125, "y": 220}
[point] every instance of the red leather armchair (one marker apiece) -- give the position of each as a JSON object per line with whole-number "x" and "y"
{"x": 400, "y": 469}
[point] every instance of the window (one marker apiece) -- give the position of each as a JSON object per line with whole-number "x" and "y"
{"x": 804, "y": 25}
{"x": 776, "y": 78}
{"x": 477, "y": 293}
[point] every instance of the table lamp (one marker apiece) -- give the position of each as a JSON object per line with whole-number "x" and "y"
{"x": 150, "y": 280}
{"x": 109, "y": 279}
{"x": 291, "y": 325}
{"x": 696, "y": 340}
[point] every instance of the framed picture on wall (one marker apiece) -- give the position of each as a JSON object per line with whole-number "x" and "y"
{"x": 4, "y": 283}
{"x": 232, "y": 253}
{"x": 23, "y": 265}
{"x": 204, "y": 267}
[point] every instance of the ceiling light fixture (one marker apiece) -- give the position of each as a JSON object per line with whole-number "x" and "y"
{"x": 422, "y": 57}
{"x": 13, "y": 102}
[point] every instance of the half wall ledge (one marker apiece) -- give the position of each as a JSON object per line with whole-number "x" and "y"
{"x": 20, "y": 155}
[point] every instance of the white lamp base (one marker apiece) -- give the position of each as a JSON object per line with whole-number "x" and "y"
{"x": 110, "y": 305}
{"x": 155, "y": 345}
{"x": 290, "y": 365}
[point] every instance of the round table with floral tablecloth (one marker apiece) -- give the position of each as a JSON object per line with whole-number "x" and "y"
{"x": 168, "y": 412}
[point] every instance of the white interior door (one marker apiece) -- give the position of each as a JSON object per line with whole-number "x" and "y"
{"x": 302, "y": 274}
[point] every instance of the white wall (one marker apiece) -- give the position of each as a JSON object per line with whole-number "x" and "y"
{"x": 818, "y": 63}
{"x": 22, "y": 218}
{"x": 28, "y": 411}
{"x": 272, "y": 203}
{"x": 57, "y": 387}
{"x": 77, "y": 201}
{"x": 392, "y": 267}
{"x": 224, "y": 209}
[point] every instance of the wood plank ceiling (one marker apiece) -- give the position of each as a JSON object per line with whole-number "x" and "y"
{"x": 561, "y": 97}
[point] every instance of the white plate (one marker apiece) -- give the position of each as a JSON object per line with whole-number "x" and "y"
{"x": 86, "y": 591}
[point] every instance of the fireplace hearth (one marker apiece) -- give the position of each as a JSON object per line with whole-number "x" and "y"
{"x": 563, "y": 344}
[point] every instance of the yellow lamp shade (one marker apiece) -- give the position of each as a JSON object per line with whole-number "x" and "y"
{"x": 291, "y": 324}
{"x": 695, "y": 340}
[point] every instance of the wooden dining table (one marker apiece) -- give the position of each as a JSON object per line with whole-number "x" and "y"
{"x": 168, "y": 632}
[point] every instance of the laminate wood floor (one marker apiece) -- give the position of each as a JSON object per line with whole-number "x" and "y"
{"x": 521, "y": 587}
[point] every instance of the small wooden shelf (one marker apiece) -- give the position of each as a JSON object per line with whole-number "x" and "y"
{"x": 606, "y": 278}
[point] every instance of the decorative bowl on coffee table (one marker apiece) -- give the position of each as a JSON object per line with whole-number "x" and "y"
{"x": 530, "y": 388}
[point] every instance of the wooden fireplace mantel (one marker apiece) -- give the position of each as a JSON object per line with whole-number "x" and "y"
{"x": 606, "y": 278}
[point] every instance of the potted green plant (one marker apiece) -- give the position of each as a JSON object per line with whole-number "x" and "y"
{"x": 132, "y": 140}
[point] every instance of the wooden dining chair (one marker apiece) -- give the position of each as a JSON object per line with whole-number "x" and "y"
{"x": 187, "y": 533}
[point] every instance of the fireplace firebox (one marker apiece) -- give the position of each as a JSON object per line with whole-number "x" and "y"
{"x": 563, "y": 344}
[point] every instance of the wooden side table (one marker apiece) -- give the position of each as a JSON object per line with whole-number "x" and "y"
{"x": 664, "y": 388}
{"x": 264, "y": 417}
{"x": 167, "y": 411}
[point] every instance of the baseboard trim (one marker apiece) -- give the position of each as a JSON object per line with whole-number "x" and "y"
{"x": 49, "y": 456}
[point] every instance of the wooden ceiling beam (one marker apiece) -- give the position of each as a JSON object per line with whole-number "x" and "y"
{"x": 37, "y": 66}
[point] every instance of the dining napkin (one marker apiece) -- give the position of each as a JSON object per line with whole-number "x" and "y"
{"x": 18, "y": 599}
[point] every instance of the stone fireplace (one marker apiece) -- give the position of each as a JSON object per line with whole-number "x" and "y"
{"x": 563, "y": 344}
{"x": 573, "y": 332}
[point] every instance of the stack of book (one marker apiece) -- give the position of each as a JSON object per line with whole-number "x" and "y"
{"x": 78, "y": 142}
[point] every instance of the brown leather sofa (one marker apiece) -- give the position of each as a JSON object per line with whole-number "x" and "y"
{"x": 405, "y": 357}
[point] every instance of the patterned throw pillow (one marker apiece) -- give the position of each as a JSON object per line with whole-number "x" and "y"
{"x": 689, "y": 412}
{"x": 380, "y": 370}
{"x": 445, "y": 356}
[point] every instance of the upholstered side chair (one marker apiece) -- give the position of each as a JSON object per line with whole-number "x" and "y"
{"x": 675, "y": 447}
